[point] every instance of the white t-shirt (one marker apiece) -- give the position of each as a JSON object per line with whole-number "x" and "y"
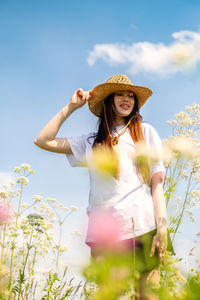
{"x": 126, "y": 197}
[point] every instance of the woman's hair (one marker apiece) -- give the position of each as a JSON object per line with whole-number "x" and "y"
{"x": 135, "y": 129}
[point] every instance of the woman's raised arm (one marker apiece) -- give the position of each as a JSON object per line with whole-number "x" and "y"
{"x": 47, "y": 139}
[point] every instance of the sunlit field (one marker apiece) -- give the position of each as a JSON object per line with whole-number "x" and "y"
{"x": 31, "y": 236}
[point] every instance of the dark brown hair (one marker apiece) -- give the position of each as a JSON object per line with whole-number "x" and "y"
{"x": 135, "y": 129}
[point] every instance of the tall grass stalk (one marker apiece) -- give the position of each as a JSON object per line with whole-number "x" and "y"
{"x": 14, "y": 237}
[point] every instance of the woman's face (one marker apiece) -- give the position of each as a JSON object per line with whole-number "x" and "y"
{"x": 123, "y": 103}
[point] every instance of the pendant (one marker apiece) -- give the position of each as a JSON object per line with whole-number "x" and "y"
{"x": 115, "y": 140}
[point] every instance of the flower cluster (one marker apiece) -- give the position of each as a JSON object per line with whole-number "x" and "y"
{"x": 182, "y": 161}
{"x": 31, "y": 235}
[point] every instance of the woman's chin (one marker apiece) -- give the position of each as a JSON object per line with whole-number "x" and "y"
{"x": 124, "y": 113}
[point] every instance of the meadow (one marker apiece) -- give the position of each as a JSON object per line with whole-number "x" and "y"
{"x": 31, "y": 234}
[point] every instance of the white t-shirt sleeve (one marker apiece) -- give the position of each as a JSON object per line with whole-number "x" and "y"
{"x": 154, "y": 142}
{"x": 79, "y": 146}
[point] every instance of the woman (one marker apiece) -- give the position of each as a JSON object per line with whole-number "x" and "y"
{"x": 124, "y": 200}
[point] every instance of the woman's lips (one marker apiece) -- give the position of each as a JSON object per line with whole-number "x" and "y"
{"x": 125, "y": 106}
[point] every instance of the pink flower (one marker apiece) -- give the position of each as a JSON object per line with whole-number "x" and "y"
{"x": 103, "y": 228}
{"x": 5, "y": 212}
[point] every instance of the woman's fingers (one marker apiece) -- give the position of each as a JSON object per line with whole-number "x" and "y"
{"x": 161, "y": 252}
{"x": 84, "y": 95}
{"x": 80, "y": 97}
{"x": 80, "y": 93}
{"x": 153, "y": 248}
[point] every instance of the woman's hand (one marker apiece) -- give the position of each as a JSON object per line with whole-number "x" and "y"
{"x": 159, "y": 243}
{"x": 80, "y": 97}
{"x": 47, "y": 139}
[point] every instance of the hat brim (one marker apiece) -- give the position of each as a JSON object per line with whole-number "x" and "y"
{"x": 102, "y": 91}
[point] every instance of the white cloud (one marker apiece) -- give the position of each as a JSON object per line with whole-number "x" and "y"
{"x": 182, "y": 54}
{"x": 5, "y": 177}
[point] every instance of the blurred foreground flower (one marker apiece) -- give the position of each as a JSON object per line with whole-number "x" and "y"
{"x": 103, "y": 228}
{"x": 105, "y": 161}
{"x": 182, "y": 146}
{"x": 5, "y": 212}
{"x": 142, "y": 151}
{"x": 143, "y": 157}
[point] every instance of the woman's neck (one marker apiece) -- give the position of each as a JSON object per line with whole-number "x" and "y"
{"x": 119, "y": 121}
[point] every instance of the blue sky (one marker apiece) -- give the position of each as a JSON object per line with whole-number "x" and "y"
{"x": 45, "y": 48}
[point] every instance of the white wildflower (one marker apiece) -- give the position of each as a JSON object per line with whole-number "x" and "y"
{"x": 172, "y": 122}
{"x": 183, "y": 174}
{"x": 65, "y": 208}
{"x": 196, "y": 106}
{"x": 192, "y": 218}
{"x": 64, "y": 249}
{"x": 189, "y": 108}
{"x": 73, "y": 207}
{"x": 167, "y": 153}
{"x": 179, "y": 199}
{"x": 26, "y": 167}
{"x": 43, "y": 205}
{"x": 46, "y": 225}
{"x": 17, "y": 169}
{"x": 182, "y": 146}
{"x": 51, "y": 200}
{"x": 196, "y": 165}
{"x": 196, "y": 177}
{"x": 12, "y": 183}
{"x": 25, "y": 205}
{"x": 195, "y": 194}
{"x": 76, "y": 232}
{"x": 181, "y": 115}
{"x": 22, "y": 180}
{"x": 4, "y": 194}
{"x": 37, "y": 198}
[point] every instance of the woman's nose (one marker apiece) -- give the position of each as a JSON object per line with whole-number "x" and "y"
{"x": 125, "y": 96}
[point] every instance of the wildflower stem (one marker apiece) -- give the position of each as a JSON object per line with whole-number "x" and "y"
{"x": 29, "y": 246}
{"x": 3, "y": 242}
{"x": 133, "y": 225}
{"x": 166, "y": 171}
{"x": 14, "y": 237}
{"x": 34, "y": 260}
{"x": 172, "y": 181}
{"x": 58, "y": 250}
{"x": 183, "y": 208}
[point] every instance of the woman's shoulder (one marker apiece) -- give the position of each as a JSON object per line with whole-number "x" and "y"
{"x": 83, "y": 139}
{"x": 149, "y": 130}
{"x": 87, "y": 138}
{"x": 91, "y": 137}
{"x": 146, "y": 126}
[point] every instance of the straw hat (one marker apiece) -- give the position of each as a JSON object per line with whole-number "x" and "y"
{"x": 114, "y": 84}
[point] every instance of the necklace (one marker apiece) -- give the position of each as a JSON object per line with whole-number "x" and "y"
{"x": 115, "y": 140}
